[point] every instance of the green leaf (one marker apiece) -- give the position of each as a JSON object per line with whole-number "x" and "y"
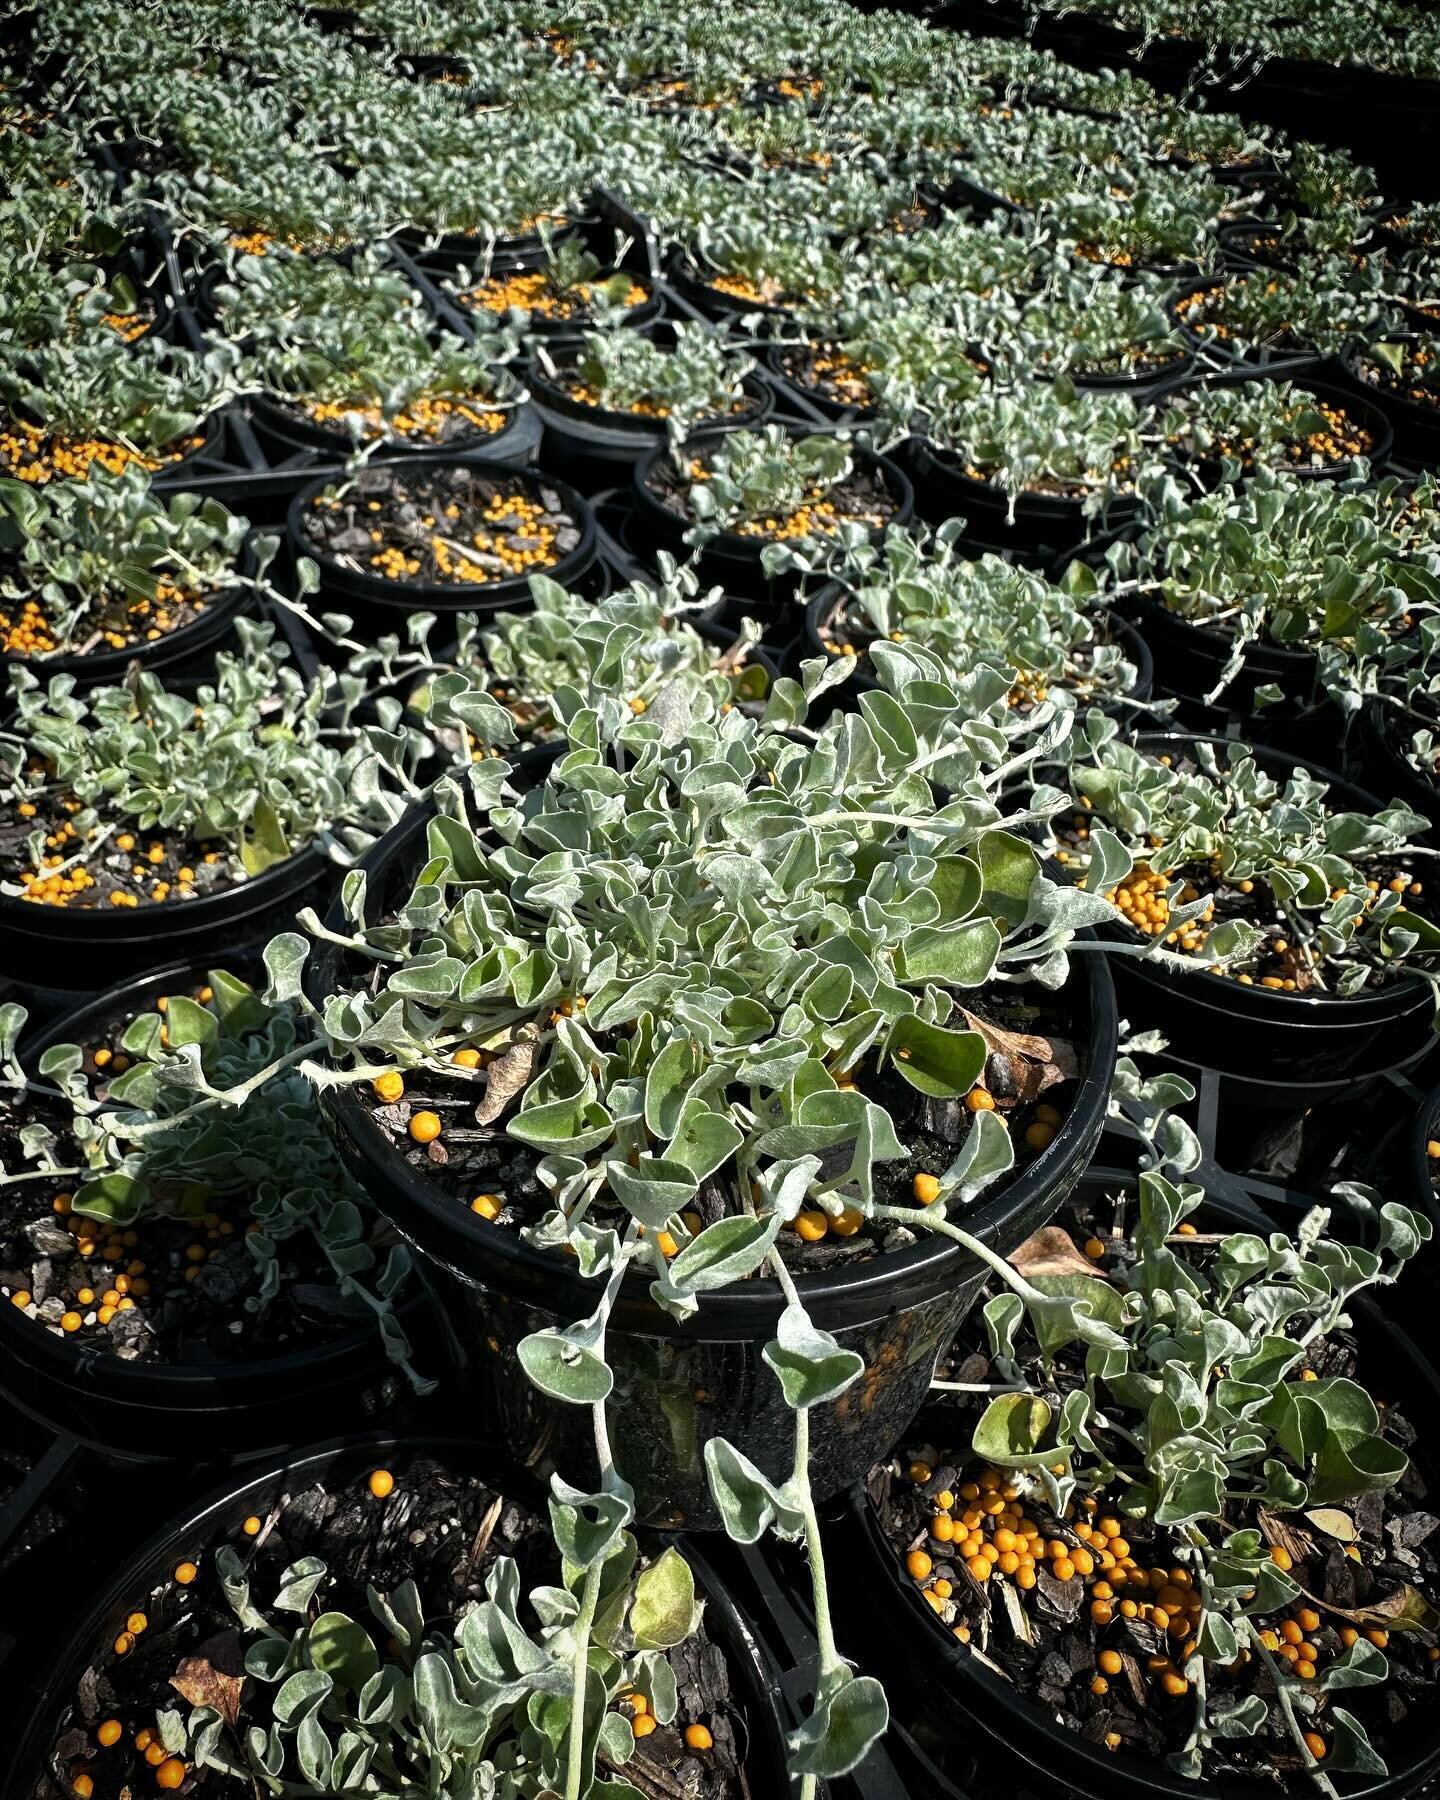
{"x": 748, "y": 1501}
{"x": 1351, "y": 1752}
{"x": 664, "y": 1613}
{"x": 189, "y": 1023}
{"x": 725, "y": 1252}
{"x": 342, "y": 1648}
{"x": 117, "y": 1198}
{"x": 937, "y": 1061}
{"x": 958, "y": 956}
{"x": 285, "y": 963}
{"x": 1009, "y": 1431}
{"x": 262, "y": 840}
{"x": 1008, "y": 867}
{"x": 813, "y": 1368}
{"x": 1362, "y": 1665}
{"x": 564, "y": 1366}
{"x": 840, "y": 1732}
{"x": 704, "y": 1139}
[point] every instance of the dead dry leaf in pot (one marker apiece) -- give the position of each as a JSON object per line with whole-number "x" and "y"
{"x": 1021, "y": 1064}
{"x": 1299, "y": 1543}
{"x": 213, "y": 1676}
{"x": 1051, "y": 1251}
{"x": 1406, "y": 1609}
{"x": 507, "y": 1076}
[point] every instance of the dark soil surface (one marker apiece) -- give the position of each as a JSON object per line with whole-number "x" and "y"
{"x": 827, "y": 370}
{"x": 1203, "y": 312}
{"x": 121, "y": 622}
{"x": 1341, "y": 439}
{"x": 36, "y": 455}
{"x": 1049, "y": 1644}
{"x": 532, "y": 291}
{"x": 1052, "y": 487}
{"x": 443, "y": 420}
{"x": 447, "y": 526}
{"x": 189, "y": 1282}
{"x": 1380, "y": 375}
{"x": 148, "y": 868}
{"x": 440, "y": 1529}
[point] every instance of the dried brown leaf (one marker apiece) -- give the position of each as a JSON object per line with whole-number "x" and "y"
{"x": 1299, "y": 1543}
{"x": 1035, "y": 1063}
{"x": 507, "y": 1076}
{"x": 1406, "y": 1609}
{"x": 1015, "y": 1612}
{"x": 213, "y": 1676}
{"x": 1051, "y": 1251}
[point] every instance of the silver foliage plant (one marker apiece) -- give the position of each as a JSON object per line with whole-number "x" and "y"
{"x": 680, "y": 944}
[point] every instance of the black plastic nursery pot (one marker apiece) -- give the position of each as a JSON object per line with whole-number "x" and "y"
{"x": 822, "y": 607}
{"x": 1041, "y": 525}
{"x": 283, "y": 431}
{"x": 961, "y": 1710}
{"x": 1190, "y": 659}
{"x": 679, "y": 1384}
{"x": 596, "y": 446}
{"x": 1216, "y": 352}
{"x": 1420, "y": 1168}
{"x": 733, "y": 561}
{"x": 54, "y": 1687}
{"x": 690, "y": 284}
{"x": 74, "y": 950}
{"x": 1287, "y": 1042}
{"x": 198, "y": 1410}
{"x": 376, "y": 602}
{"x": 473, "y": 250}
{"x": 545, "y": 325}
{"x": 783, "y": 362}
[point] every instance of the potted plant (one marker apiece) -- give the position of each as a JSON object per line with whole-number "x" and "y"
{"x": 103, "y": 574}
{"x": 744, "y": 494}
{"x": 744, "y": 270}
{"x": 674, "y": 655}
{"x": 1398, "y": 372}
{"x": 886, "y": 359}
{"x": 204, "y": 1268}
{"x": 1100, "y": 331}
{"x": 947, "y": 611}
{"x": 569, "y": 291}
{"x": 1222, "y": 1607}
{"x": 338, "y": 356}
{"x": 136, "y": 818}
{"x": 555, "y": 1160}
{"x": 102, "y": 401}
{"x": 1290, "y": 905}
{"x": 285, "y": 1584}
{"x": 1280, "y": 589}
{"x": 1312, "y": 431}
{"x": 612, "y": 396}
{"x": 1264, "y": 317}
{"x": 1043, "y": 463}
{"x": 393, "y": 539}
